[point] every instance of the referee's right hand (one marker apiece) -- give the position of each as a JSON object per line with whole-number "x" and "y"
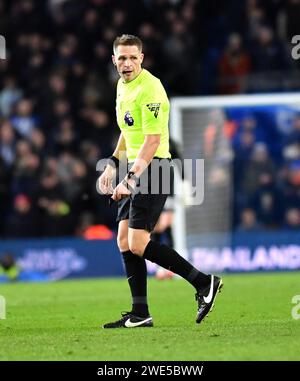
{"x": 105, "y": 180}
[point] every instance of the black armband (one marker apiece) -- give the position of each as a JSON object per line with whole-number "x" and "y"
{"x": 113, "y": 162}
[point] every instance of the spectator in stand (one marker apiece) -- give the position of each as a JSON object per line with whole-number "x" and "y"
{"x": 7, "y": 143}
{"x": 72, "y": 175}
{"x": 259, "y": 163}
{"x": 38, "y": 142}
{"x": 248, "y": 221}
{"x": 290, "y": 184}
{"x": 293, "y": 138}
{"x": 24, "y": 121}
{"x": 289, "y": 175}
{"x": 267, "y": 53}
{"x": 243, "y": 149}
{"x": 65, "y": 137}
{"x": 89, "y": 32}
{"x": 292, "y": 219}
{"x": 9, "y": 96}
{"x": 290, "y": 19}
{"x": 24, "y": 221}
{"x": 255, "y": 17}
{"x": 54, "y": 90}
{"x": 26, "y": 170}
{"x": 234, "y": 66}
{"x": 179, "y": 47}
{"x": 267, "y": 202}
{"x": 56, "y": 213}
{"x": 4, "y": 193}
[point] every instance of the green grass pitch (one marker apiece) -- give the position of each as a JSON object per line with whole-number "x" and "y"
{"x": 251, "y": 320}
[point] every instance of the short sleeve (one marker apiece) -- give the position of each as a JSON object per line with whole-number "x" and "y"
{"x": 153, "y": 106}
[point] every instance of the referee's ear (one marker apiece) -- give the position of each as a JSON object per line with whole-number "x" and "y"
{"x": 113, "y": 60}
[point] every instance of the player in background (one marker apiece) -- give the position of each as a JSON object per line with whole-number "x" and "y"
{"x": 162, "y": 232}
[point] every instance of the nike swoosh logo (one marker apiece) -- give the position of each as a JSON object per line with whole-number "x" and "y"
{"x": 129, "y": 324}
{"x": 208, "y": 298}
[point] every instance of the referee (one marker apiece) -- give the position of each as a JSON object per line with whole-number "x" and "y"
{"x": 142, "y": 108}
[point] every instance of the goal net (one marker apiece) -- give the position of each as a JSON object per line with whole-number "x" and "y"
{"x": 204, "y": 128}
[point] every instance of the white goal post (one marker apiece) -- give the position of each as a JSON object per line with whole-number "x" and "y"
{"x": 188, "y": 118}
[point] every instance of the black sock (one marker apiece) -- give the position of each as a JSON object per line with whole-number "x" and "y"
{"x": 171, "y": 260}
{"x": 169, "y": 237}
{"x": 136, "y": 272}
{"x": 155, "y": 237}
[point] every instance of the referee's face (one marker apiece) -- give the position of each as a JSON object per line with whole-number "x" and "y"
{"x": 128, "y": 61}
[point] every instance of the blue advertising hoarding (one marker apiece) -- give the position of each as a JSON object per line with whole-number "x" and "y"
{"x": 255, "y": 251}
{"x": 54, "y": 259}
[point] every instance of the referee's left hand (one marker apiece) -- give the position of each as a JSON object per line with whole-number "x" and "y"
{"x": 120, "y": 191}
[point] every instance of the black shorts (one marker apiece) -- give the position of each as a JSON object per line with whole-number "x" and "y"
{"x": 144, "y": 207}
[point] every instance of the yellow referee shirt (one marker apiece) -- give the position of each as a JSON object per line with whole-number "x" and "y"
{"x": 142, "y": 108}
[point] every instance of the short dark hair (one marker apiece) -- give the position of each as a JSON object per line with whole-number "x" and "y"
{"x": 128, "y": 40}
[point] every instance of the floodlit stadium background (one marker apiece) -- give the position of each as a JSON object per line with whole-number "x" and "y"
{"x": 58, "y": 119}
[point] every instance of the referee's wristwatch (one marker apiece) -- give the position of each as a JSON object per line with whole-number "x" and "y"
{"x": 131, "y": 176}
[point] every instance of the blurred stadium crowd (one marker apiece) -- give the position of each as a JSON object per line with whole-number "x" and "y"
{"x": 58, "y": 89}
{"x": 266, "y": 170}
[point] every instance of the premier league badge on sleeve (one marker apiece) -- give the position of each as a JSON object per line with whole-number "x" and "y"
{"x": 128, "y": 119}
